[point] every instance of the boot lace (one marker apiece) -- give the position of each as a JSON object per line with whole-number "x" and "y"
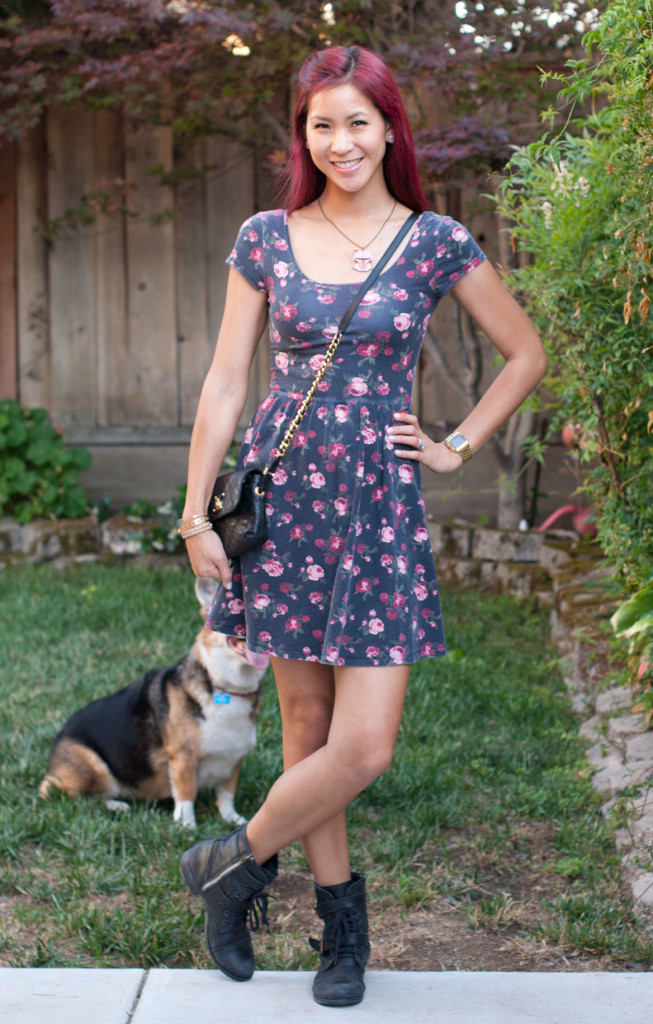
{"x": 336, "y": 932}
{"x": 257, "y": 910}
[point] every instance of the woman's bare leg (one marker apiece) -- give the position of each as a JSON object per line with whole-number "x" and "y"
{"x": 365, "y": 721}
{"x": 306, "y": 698}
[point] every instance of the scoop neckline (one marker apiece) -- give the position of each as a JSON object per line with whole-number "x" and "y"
{"x": 346, "y": 284}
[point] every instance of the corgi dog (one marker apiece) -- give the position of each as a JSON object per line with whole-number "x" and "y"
{"x": 171, "y": 732}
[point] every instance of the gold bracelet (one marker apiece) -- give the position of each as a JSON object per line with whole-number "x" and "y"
{"x": 192, "y": 519}
{"x": 192, "y": 531}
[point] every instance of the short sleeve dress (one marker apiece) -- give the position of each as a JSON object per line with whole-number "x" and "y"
{"x": 346, "y": 575}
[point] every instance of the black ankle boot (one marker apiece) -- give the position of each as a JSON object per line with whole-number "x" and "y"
{"x": 345, "y": 946}
{"x": 225, "y": 875}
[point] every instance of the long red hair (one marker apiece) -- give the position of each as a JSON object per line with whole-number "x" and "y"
{"x": 301, "y": 181}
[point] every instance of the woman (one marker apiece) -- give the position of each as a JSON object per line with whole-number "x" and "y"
{"x": 343, "y": 594}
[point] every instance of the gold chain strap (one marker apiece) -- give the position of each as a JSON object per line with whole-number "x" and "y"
{"x": 299, "y": 415}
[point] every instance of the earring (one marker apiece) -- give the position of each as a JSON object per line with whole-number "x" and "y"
{"x": 390, "y": 138}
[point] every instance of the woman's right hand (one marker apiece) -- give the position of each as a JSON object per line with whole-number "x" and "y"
{"x": 207, "y": 557}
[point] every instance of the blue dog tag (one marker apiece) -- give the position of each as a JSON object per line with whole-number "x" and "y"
{"x": 222, "y": 698}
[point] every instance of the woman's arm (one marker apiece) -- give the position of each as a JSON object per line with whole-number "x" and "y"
{"x": 221, "y": 403}
{"x": 502, "y": 319}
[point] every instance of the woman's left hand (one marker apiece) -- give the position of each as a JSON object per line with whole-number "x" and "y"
{"x": 409, "y": 442}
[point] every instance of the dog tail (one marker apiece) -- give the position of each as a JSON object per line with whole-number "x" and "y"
{"x": 49, "y": 783}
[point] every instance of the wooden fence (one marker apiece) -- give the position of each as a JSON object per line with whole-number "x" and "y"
{"x": 112, "y": 281}
{"x": 111, "y": 324}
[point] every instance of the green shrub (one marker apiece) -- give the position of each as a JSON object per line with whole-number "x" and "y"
{"x": 38, "y": 474}
{"x": 581, "y": 206}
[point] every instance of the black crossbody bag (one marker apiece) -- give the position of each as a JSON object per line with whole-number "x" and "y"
{"x": 237, "y": 505}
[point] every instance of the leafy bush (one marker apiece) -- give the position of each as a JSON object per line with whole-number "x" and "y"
{"x": 38, "y": 475}
{"x": 581, "y": 205}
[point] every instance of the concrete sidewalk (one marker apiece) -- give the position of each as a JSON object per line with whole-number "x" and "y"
{"x": 97, "y": 996}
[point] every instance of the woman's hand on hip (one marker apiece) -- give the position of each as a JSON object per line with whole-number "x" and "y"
{"x": 409, "y": 442}
{"x": 207, "y": 557}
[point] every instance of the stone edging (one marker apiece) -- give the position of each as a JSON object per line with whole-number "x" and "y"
{"x": 559, "y": 573}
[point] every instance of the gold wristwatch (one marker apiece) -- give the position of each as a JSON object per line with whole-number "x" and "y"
{"x": 459, "y": 444}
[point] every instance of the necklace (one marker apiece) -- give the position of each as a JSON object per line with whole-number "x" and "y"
{"x": 361, "y": 260}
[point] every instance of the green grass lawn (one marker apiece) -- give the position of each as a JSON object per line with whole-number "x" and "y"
{"x": 487, "y": 810}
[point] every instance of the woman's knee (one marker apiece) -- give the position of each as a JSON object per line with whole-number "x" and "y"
{"x": 366, "y": 758}
{"x": 305, "y": 726}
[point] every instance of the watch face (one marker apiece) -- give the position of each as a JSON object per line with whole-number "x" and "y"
{"x": 458, "y": 441}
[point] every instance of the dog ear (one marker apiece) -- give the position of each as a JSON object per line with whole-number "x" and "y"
{"x": 205, "y": 591}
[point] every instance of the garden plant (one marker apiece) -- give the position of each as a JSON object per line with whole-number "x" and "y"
{"x": 581, "y": 202}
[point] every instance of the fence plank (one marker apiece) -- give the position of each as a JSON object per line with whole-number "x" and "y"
{"x": 8, "y": 377}
{"x": 34, "y": 373}
{"x": 71, "y": 267}
{"x": 194, "y": 341}
{"x": 230, "y": 192}
{"x": 110, "y": 279}
{"x": 152, "y": 387}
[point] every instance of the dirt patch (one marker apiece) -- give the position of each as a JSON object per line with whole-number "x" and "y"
{"x": 434, "y": 938}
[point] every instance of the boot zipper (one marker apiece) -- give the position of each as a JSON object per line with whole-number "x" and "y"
{"x": 227, "y": 871}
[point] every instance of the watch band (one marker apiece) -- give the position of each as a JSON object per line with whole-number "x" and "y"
{"x": 459, "y": 444}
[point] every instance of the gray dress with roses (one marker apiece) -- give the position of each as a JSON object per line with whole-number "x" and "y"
{"x": 346, "y": 575}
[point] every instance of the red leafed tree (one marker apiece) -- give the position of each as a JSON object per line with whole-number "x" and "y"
{"x": 221, "y": 66}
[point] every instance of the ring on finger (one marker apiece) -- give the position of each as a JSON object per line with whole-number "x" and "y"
{"x": 420, "y": 444}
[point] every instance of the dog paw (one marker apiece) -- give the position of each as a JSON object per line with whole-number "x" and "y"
{"x": 185, "y": 814}
{"x": 116, "y": 805}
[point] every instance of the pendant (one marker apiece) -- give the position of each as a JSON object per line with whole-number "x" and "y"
{"x": 362, "y": 261}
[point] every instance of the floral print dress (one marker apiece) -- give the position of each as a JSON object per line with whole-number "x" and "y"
{"x": 346, "y": 575}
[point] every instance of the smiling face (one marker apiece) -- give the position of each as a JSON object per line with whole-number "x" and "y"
{"x": 346, "y": 137}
